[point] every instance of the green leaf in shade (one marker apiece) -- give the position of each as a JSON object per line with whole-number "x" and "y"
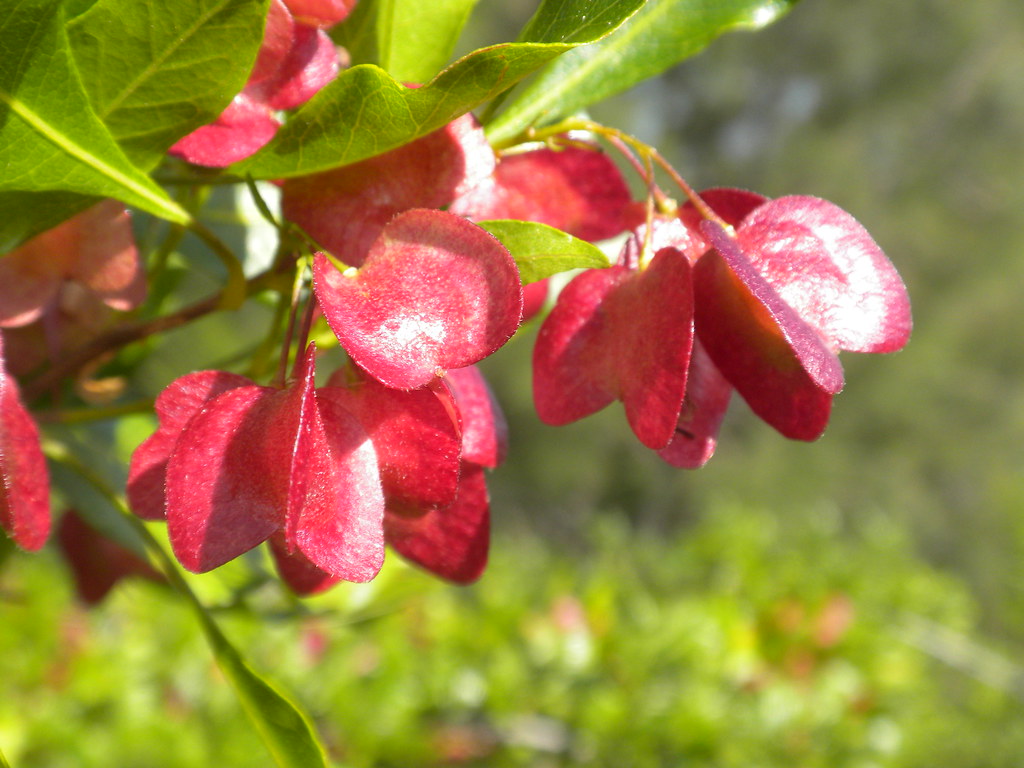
{"x": 366, "y": 112}
{"x": 661, "y": 34}
{"x": 541, "y": 251}
{"x": 410, "y": 39}
{"x": 3, "y": 761}
{"x": 50, "y": 139}
{"x": 157, "y": 70}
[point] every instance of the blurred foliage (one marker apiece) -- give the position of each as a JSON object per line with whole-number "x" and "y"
{"x": 856, "y": 602}
{"x": 743, "y": 642}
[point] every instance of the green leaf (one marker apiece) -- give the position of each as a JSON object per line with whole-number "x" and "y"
{"x": 286, "y": 731}
{"x": 410, "y": 39}
{"x": 3, "y": 761}
{"x": 576, "y": 21}
{"x": 660, "y": 35}
{"x": 50, "y": 139}
{"x": 366, "y": 112}
{"x": 157, "y": 70}
{"x": 541, "y": 251}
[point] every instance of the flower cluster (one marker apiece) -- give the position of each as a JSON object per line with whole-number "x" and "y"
{"x": 750, "y": 294}
{"x": 730, "y": 291}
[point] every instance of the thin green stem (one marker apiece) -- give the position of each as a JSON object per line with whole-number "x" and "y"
{"x": 234, "y": 292}
{"x": 86, "y": 415}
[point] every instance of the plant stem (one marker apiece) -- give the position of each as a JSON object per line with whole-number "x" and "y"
{"x": 128, "y": 333}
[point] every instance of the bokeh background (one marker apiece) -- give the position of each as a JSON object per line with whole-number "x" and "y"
{"x": 854, "y": 602}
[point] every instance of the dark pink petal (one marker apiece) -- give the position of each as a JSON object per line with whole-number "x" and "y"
{"x": 97, "y": 563}
{"x": 707, "y": 399}
{"x": 417, "y": 444}
{"x": 311, "y": 63}
{"x": 535, "y": 296}
{"x": 577, "y": 190}
{"x": 777, "y": 362}
{"x": 278, "y": 37}
{"x": 619, "y": 334}
{"x": 301, "y": 576}
{"x": 227, "y": 477}
{"x": 321, "y": 13}
{"x": 826, "y": 266}
{"x": 434, "y": 293}
{"x": 729, "y": 203}
{"x": 178, "y": 403}
{"x": 242, "y": 129}
{"x": 339, "y": 526}
{"x": 345, "y": 209}
{"x": 484, "y": 428}
{"x": 94, "y": 248}
{"x": 450, "y": 542}
{"x": 24, "y": 481}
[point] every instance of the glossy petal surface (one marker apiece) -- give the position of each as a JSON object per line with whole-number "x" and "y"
{"x": 434, "y": 293}
{"x": 417, "y": 444}
{"x": 484, "y": 428}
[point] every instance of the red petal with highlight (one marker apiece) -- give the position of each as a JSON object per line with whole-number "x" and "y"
{"x": 417, "y": 443}
{"x": 575, "y": 189}
{"x": 345, "y": 209}
{"x": 826, "y": 266}
{"x": 484, "y": 428}
{"x": 435, "y": 293}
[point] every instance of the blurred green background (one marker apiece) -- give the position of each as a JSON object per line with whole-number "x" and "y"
{"x": 854, "y": 602}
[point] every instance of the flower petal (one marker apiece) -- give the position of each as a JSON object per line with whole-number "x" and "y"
{"x": 240, "y": 130}
{"x": 451, "y": 542}
{"x": 434, "y": 293}
{"x": 576, "y": 189}
{"x": 619, "y": 334}
{"x": 778, "y": 363}
{"x": 178, "y": 403}
{"x": 228, "y": 475}
{"x": 345, "y": 209}
{"x": 417, "y": 444}
{"x": 484, "y": 428}
{"x": 707, "y": 399}
{"x": 826, "y": 266}
{"x": 24, "y": 481}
